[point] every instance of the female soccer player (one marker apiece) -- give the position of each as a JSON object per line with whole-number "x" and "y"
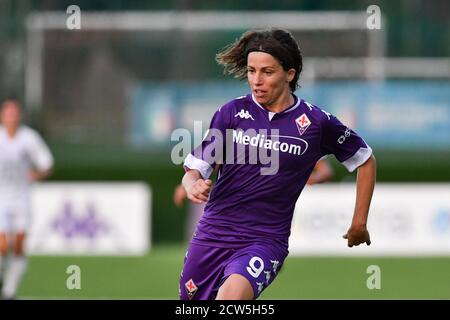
{"x": 24, "y": 158}
{"x": 241, "y": 240}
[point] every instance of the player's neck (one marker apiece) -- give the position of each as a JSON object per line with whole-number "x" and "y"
{"x": 11, "y": 131}
{"x": 285, "y": 101}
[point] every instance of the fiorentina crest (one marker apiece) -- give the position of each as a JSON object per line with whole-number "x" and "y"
{"x": 191, "y": 288}
{"x": 302, "y": 123}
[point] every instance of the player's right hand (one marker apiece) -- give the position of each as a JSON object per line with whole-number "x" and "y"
{"x": 198, "y": 192}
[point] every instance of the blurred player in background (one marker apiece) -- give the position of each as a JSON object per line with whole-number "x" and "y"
{"x": 241, "y": 240}
{"x": 194, "y": 214}
{"x": 24, "y": 158}
{"x": 322, "y": 172}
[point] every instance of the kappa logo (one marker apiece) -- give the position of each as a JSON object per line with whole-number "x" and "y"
{"x": 260, "y": 286}
{"x": 302, "y": 123}
{"x": 244, "y": 114}
{"x": 191, "y": 288}
{"x": 267, "y": 276}
{"x": 275, "y": 264}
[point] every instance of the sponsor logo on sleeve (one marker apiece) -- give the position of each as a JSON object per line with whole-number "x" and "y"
{"x": 342, "y": 138}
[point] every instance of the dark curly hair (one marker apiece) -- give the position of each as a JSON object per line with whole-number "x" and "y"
{"x": 278, "y": 43}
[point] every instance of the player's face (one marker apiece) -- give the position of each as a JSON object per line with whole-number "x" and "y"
{"x": 10, "y": 115}
{"x": 267, "y": 78}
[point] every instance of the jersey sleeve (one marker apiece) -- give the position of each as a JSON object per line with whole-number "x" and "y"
{"x": 346, "y": 145}
{"x": 39, "y": 153}
{"x": 210, "y": 152}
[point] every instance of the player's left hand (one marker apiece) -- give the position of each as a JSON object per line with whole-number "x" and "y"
{"x": 357, "y": 235}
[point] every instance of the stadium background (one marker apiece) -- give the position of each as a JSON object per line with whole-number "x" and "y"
{"x": 84, "y": 118}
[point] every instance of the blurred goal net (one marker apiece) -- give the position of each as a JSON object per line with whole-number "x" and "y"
{"x": 81, "y": 81}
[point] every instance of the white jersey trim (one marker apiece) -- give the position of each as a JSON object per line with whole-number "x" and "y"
{"x": 359, "y": 158}
{"x": 287, "y": 110}
{"x": 203, "y": 167}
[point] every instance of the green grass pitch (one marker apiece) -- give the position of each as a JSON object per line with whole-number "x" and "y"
{"x": 156, "y": 276}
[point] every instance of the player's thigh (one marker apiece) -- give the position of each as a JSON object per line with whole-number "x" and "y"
{"x": 19, "y": 224}
{"x": 19, "y": 242}
{"x": 5, "y": 217}
{"x": 236, "y": 287}
{"x": 3, "y": 243}
{"x": 5, "y": 225}
{"x": 21, "y": 217}
{"x": 259, "y": 264}
{"x": 202, "y": 272}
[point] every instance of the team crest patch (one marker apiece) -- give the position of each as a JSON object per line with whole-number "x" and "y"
{"x": 302, "y": 123}
{"x": 191, "y": 288}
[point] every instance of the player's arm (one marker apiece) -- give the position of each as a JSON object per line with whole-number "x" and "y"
{"x": 197, "y": 188}
{"x": 41, "y": 157}
{"x": 199, "y": 165}
{"x": 365, "y": 183}
{"x": 355, "y": 154}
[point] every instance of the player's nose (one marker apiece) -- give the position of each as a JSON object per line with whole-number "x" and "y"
{"x": 257, "y": 79}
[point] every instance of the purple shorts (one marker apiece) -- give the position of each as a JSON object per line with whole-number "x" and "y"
{"x": 206, "y": 268}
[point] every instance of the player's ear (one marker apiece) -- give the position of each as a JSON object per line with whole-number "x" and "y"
{"x": 290, "y": 74}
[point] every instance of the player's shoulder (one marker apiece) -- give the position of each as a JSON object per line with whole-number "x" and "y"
{"x": 28, "y": 133}
{"x": 235, "y": 103}
{"x": 26, "y": 130}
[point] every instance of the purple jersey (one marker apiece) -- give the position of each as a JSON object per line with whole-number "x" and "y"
{"x": 247, "y": 206}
